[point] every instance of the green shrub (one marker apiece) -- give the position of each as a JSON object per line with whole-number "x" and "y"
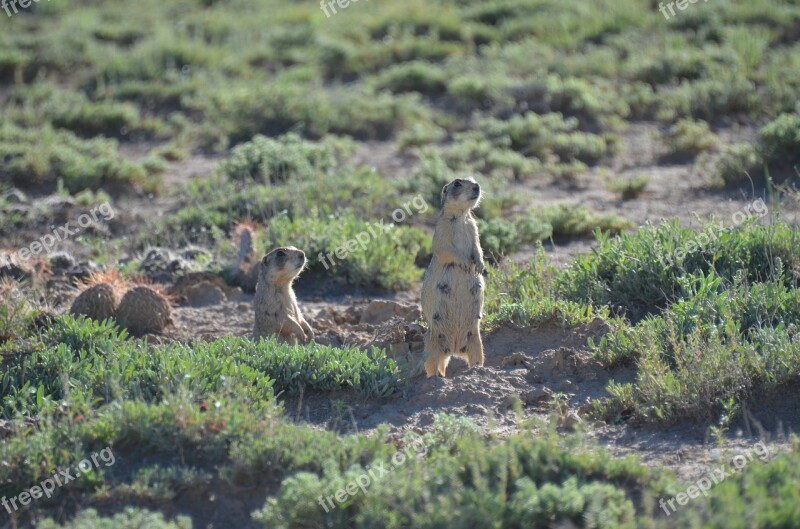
{"x": 528, "y": 296}
{"x": 132, "y": 519}
{"x": 420, "y": 134}
{"x": 546, "y": 136}
{"x": 779, "y": 140}
{"x": 710, "y": 98}
{"x": 718, "y": 344}
{"x": 351, "y": 250}
{"x": 286, "y": 158}
{"x": 217, "y": 203}
{"x": 17, "y": 313}
{"x": 629, "y": 188}
{"x": 240, "y": 112}
{"x": 517, "y": 482}
{"x": 44, "y": 156}
{"x": 572, "y": 220}
{"x": 476, "y": 91}
{"x": 640, "y": 272}
{"x": 688, "y": 137}
{"x": 414, "y": 76}
{"x": 98, "y": 358}
{"x": 739, "y": 164}
{"x": 591, "y": 102}
{"x": 498, "y": 237}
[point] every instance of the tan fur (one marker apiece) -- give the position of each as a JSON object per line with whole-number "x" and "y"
{"x": 452, "y": 290}
{"x": 275, "y": 304}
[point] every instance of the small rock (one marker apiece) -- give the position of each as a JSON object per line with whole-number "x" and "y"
{"x": 235, "y": 293}
{"x": 83, "y": 270}
{"x": 534, "y": 377}
{"x": 178, "y": 265}
{"x": 192, "y": 254}
{"x": 571, "y": 421}
{"x": 54, "y": 202}
{"x": 351, "y": 316}
{"x": 586, "y": 409}
{"x": 204, "y": 294}
{"x": 399, "y": 348}
{"x": 537, "y": 395}
{"x": 325, "y": 319}
{"x": 156, "y": 260}
{"x": 10, "y": 267}
{"x": 381, "y": 311}
{"x": 515, "y": 359}
{"x": 61, "y": 261}
{"x": 15, "y": 196}
{"x": 509, "y": 401}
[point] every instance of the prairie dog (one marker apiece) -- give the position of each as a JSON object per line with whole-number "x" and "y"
{"x": 275, "y": 303}
{"x": 452, "y": 289}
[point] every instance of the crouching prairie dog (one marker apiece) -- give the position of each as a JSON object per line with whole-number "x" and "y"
{"x": 452, "y": 289}
{"x": 275, "y": 304}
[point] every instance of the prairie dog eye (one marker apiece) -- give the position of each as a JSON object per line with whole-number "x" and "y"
{"x": 457, "y": 184}
{"x": 281, "y": 253}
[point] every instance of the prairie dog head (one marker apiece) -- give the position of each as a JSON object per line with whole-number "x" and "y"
{"x": 281, "y": 266}
{"x": 461, "y": 195}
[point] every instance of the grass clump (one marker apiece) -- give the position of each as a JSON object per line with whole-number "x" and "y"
{"x": 414, "y": 76}
{"x": 273, "y": 161}
{"x": 720, "y": 344}
{"x": 501, "y": 237}
{"x": 640, "y": 273}
{"x": 629, "y": 188}
{"x": 17, "y": 313}
{"x": 498, "y": 484}
{"x": 690, "y": 138}
{"x": 547, "y": 136}
{"x": 738, "y": 164}
{"x": 572, "y": 220}
{"x": 133, "y": 519}
{"x": 779, "y": 141}
{"x": 99, "y": 358}
{"x": 528, "y": 296}
{"x": 41, "y": 157}
{"x": 775, "y": 154}
{"x": 358, "y": 252}
{"x": 715, "y": 315}
{"x": 239, "y": 113}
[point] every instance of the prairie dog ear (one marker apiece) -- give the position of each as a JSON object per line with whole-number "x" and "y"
{"x": 444, "y": 194}
{"x": 265, "y": 260}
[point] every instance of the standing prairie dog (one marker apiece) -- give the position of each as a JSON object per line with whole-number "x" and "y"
{"x": 275, "y": 303}
{"x": 452, "y": 290}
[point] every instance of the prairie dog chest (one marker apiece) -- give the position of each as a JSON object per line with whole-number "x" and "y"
{"x": 461, "y": 233}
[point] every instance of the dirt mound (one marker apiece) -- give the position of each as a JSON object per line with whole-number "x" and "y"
{"x": 383, "y": 324}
